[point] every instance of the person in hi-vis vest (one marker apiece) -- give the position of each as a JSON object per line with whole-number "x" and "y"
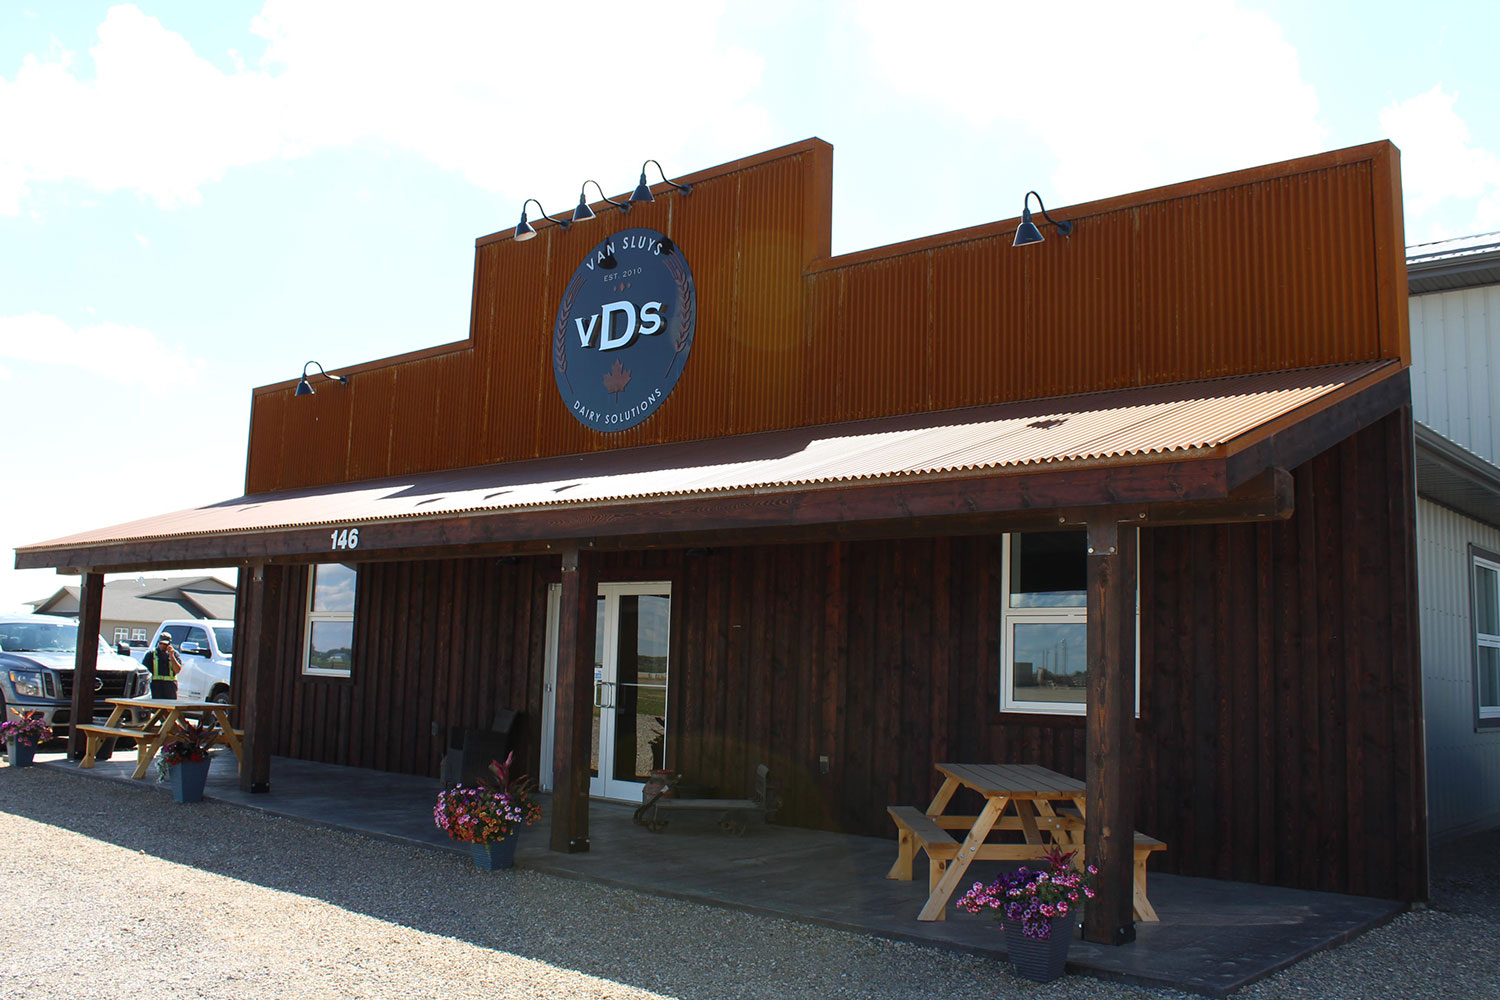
{"x": 164, "y": 664}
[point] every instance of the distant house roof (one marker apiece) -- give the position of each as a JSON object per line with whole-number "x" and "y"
{"x": 153, "y": 599}
{"x": 1466, "y": 262}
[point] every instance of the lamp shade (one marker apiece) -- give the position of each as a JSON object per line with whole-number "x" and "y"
{"x": 523, "y": 229}
{"x": 304, "y": 388}
{"x": 643, "y": 190}
{"x": 582, "y": 213}
{"x": 1027, "y": 232}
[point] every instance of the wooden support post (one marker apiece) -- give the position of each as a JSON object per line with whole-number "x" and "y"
{"x": 255, "y": 671}
{"x": 85, "y": 661}
{"x": 574, "y": 722}
{"x": 1109, "y": 834}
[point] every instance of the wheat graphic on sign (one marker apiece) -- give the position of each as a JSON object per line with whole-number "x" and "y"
{"x": 560, "y": 338}
{"x": 684, "y": 309}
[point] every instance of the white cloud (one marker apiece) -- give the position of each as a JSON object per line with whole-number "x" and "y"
{"x": 469, "y": 85}
{"x": 1439, "y": 160}
{"x": 142, "y": 240}
{"x": 123, "y": 354}
{"x": 156, "y": 119}
{"x": 1198, "y": 87}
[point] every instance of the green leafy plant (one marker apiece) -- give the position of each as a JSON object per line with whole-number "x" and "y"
{"x": 189, "y": 743}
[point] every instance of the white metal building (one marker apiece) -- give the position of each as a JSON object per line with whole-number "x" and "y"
{"x": 1455, "y": 337}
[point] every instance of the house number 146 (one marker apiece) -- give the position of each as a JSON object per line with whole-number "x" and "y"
{"x": 345, "y": 539}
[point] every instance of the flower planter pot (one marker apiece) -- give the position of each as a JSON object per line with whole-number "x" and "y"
{"x": 493, "y": 854}
{"x": 20, "y": 754}
{"x": 1045, "y": 960}
{"x": 188, "y": 780}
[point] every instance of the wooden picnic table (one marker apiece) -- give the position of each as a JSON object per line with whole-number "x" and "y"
{"x": 1047, "y": 809}
{"x": 161, "y": 721}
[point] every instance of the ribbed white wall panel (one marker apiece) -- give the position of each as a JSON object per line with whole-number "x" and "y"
{"x": 1463, "y": 766}
{"x": 1455, "y": 376}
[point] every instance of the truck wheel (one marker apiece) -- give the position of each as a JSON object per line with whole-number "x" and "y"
{"x": 219, "y": 696}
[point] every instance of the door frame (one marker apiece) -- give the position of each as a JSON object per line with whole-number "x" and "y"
{"x": 610, "y": 591}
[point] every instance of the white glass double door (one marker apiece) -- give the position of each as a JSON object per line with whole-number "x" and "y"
{"x": 632, "y": 636}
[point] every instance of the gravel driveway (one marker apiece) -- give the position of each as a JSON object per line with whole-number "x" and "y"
{"x": 122, "y": 893}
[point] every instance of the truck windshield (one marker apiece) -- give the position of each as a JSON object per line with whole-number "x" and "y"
{"x": 35, "y": 637}
{"x": 225, "y": 637}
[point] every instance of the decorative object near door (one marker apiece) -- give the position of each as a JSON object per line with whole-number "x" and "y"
{"x": 21, "y": 737}
{"x": 1040, "y": 911}
{"x": 489, "y": 817}
{"x": 185, "y": 759}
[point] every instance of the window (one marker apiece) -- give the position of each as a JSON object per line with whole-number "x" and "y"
{"x": 1044, "y": 624}
{"x": 137, "y": 637}
{"x": 122, "y": 635}
{"x": 328, "y": 645}
{"x": 1486, "y": 637}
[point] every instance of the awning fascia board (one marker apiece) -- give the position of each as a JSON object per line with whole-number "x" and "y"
{"x": 1308, "y": 431}
{"x": 1013, "y": 497}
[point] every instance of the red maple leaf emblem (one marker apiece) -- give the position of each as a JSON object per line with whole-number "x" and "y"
{"x": 616, "y": 381}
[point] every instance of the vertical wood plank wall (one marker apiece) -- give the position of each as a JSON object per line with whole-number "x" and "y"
{"x": 1279, "y": 737}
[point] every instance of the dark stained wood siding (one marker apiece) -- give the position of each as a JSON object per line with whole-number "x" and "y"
{"x": 1279, "y": 736}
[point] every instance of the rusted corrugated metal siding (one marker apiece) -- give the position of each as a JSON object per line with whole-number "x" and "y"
{"x": 1264, "y": 270}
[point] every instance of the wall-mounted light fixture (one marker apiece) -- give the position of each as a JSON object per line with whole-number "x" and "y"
{"x": 643, "y": 190}
{"x": 523, "y": 228}
{"x": 583, "y": 213}
{"x": 1027, "y": 232}
{"x": 304, "y": 387}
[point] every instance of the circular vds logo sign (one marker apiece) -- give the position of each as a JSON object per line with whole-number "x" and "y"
{"x": 624, "y": 330}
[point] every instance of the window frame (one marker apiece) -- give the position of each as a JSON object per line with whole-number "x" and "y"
{"x": 1011, "y": 616}
{"x": 311, "y": 617}
{"x": 1485, "y": 717}
{"x": 122, "y": 634}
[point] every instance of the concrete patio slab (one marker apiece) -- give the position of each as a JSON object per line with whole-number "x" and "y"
{"x": 1214, "y": 936}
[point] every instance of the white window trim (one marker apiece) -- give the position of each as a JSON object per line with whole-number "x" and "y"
{"x": 1010, "y": 616}
{"x": 1483, "y": 639}
{"x": 312, "y": 616}
{"x": 122, "y": 635}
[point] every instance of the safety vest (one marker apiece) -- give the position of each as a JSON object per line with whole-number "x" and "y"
{"x": 157, "y": 661}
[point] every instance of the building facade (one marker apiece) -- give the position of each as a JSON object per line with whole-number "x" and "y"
{"x": 1455, "y": 328}
{"x": 695, "y": 493}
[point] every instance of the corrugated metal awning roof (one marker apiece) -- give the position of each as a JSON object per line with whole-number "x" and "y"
{"x": 1185, "y": 420}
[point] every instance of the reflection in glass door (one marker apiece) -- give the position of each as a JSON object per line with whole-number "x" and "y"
{"x": 631, "y": 640}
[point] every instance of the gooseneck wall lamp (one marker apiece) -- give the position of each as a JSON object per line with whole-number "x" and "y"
{"x": 1027, "y": 232}
{"x": 643, "y": 190}
{"x": 583, "y": 213}
{"x": 523, "y": 228}
{"x": 304, "y": 387}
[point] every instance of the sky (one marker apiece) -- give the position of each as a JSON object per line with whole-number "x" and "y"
{"x": 197, "y": 198}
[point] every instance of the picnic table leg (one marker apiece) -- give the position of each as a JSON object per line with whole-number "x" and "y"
{"x": 943, "y": 797}
{"x": 229, "y": 737}
{"x": 1143, "y": 908}
{"x": 905, "y": 851}
{"x": 1027, "y": 812}
{"x": 937, "y": 898}
{"x": 91, "y": 745}
{"x": 149, "y": 748}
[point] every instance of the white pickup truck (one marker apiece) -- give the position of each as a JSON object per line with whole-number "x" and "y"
{"x": 207, "y": 649}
